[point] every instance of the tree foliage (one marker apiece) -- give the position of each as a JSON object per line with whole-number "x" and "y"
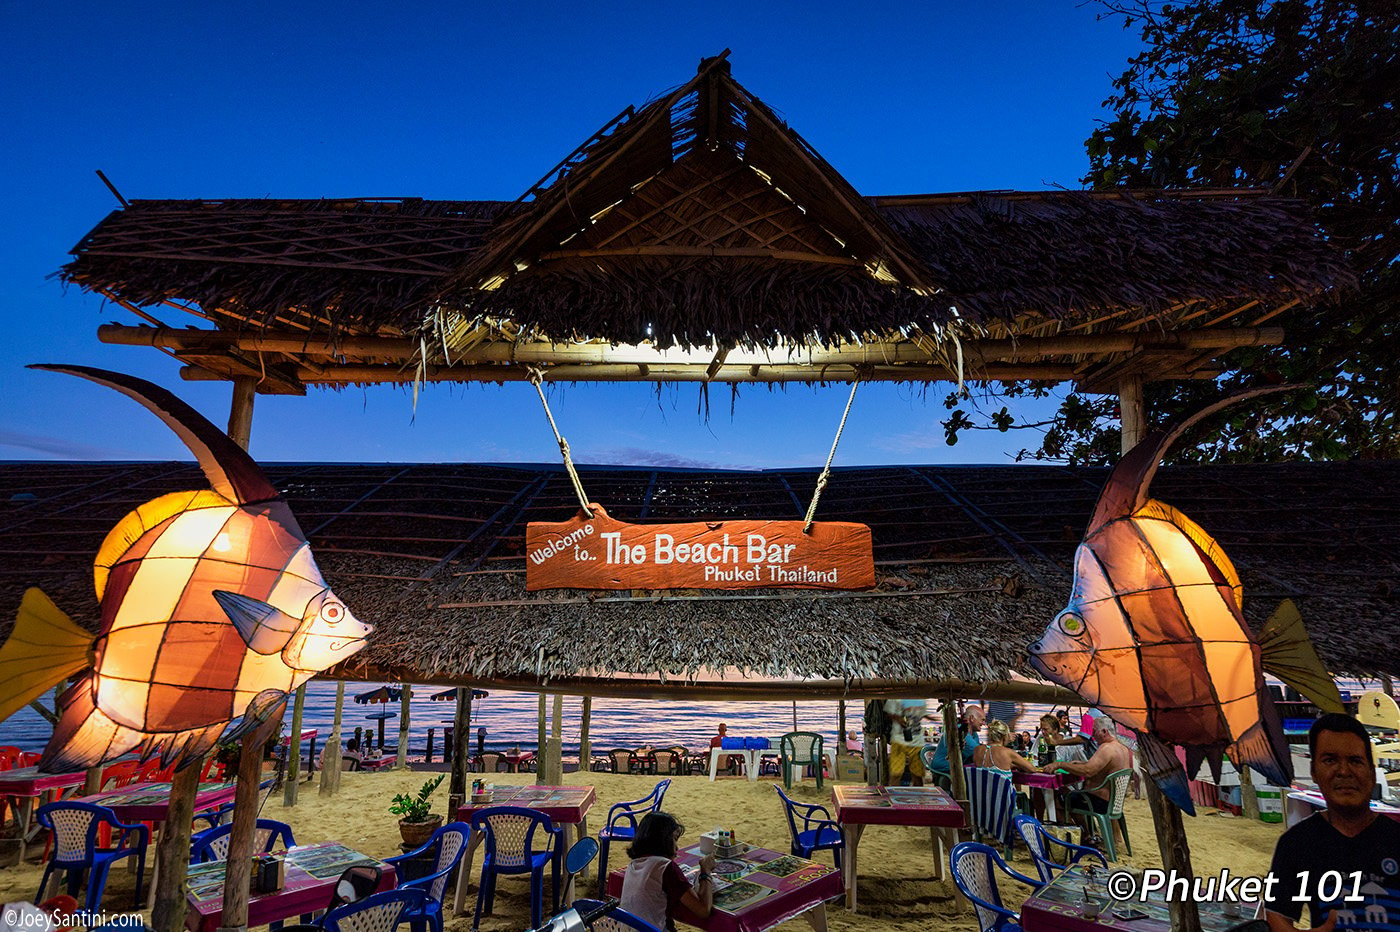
{"x": 1299, "y": 96}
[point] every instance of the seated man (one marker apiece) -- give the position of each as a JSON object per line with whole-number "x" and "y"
{"x": 973, "y": 720}
{"x": 1111, "y": 756}
{"x": 1346, "y": 837}
{"x": 733, "y": 762}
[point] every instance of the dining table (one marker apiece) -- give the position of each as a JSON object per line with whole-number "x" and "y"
{"x": 1049, "y": 786}
{"x": 858, "y": 806}
{"x": 566, "y": 806}
{"x": 28, "y": 789}
{"x": 1061, "y": 906}
{"x": 756, "y": 889}
{"x": 150, "y": 802}
{"x": 1298, "y": 804}
{"x": 311, "y": 875}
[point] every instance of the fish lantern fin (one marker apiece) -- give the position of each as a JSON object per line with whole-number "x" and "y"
{"x": 229, "y": 468}
{"x": 1164, "y": 768}
{"x": 188, "y": 747}
{"x": 44, "y": 648}
{"x": 1288, "y": 653}
{"x": 1264, "y": 746}
{"x": 1126, "y": 489}
{"x": 260, "y": 709}
{"x": 265, "y": 628}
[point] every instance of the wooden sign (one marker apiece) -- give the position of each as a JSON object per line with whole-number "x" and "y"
{"x": 603, "y": 553}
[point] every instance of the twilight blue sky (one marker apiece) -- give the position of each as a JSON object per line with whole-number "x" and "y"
{"x": 470, "y": 100}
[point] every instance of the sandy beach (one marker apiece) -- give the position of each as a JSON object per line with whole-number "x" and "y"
{"x": 896, "y": 892}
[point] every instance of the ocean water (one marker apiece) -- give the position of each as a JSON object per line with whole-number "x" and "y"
{"x": 511, "y": 719}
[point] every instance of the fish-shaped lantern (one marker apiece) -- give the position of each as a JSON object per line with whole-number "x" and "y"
{"x": 212, "y": 608}
{"x": 1155, "y": 636}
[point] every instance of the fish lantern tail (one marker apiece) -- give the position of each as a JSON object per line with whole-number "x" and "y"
{"x": 1264, "y": 746}
{"x": 45, "y": 648}
{"x": 1287, "y": 652}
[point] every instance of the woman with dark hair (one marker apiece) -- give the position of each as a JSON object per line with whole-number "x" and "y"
{"x": 653, "y": 885}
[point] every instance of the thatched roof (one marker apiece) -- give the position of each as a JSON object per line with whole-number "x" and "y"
{"x": 702, "y": 220}
{"x": 972, "y": 563}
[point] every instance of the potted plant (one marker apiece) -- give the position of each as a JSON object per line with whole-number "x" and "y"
{"x": 417, "y": 822}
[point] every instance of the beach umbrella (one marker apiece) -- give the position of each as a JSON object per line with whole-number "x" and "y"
{"x": 449, "y": 695}
{"x": 382, "y": 694}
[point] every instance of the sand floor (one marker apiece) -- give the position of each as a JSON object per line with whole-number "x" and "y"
{"x": 897, "y": 893}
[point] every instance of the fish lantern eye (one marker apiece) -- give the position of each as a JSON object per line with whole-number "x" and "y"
{"x": 1070, "y": 624}
{"x": 333, "y": 612}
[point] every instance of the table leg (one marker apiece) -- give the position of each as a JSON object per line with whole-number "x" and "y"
{"x": 752, "y": 764}
{"x": 943, "y": 841}
{"x": 24, "y": 815}
{"x": 152, "y": 865}
{"x": 817, "y": 918}
{"x": 1051, "y": 812}
{"x": 851, "y": 835}
{"x": 464, "y": 873}
{"x": 583, "y": 833}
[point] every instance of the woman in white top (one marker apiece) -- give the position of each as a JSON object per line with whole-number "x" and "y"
{"x": 653, "y": 885}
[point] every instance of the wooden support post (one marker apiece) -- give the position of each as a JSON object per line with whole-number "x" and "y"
{"x": 238, "y": 876}
{"x": 556, "y": 743}
{"x": 1387, "y": 685}
{"x": 405, "y": 698}
{"x": 1130, "y": 412}
{"x": 955, "y": 749}
{"x": 585, "y": 747}
{"x": 840, "y": 729}
{"x": 173, "y": 851}
{"x": 461, "y": 750}
{"x": 92, "y": 781}
{"x": 539, "y": 747}
{"x": 330, "y": 774}
{"x": 240, "y": 415}
{"x": 1249, "y": 800}
{"x": 1171, "y": 833}
{"x": 289, "y": 789}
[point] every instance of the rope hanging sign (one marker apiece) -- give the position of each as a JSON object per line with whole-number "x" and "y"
{"x": 592, "y": 550}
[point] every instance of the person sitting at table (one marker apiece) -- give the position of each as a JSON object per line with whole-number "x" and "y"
{"x": 1111, "y": 756}
{"x": 734, "y": 761}
{"x": 968, "y": 730}
{"x": 653, "y": 884}
{"x": 996, "y": 755}
{"x": 1056, "y": 744}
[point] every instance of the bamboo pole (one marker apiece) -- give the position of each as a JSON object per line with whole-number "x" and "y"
{"x": 1249, "y": 800}
{"x": 290, "y": 788}
{"x": 955, "y": 749}
{"x": 840, "y": 729}
{"x": 405, "y": 699}
{"x": 1171, "y": 833}
{"x": 240, "y": 417}
{"x": 539, "y": 748}
{"x": 461, "y": 750}
{"x": 542, "y": 351}
{"x": 237, "y": 878}
{"x": 173, "y": 851}
{"x": 556, "y": 743}
{"x": 585, "y": 746}
{"x": 330, "y": 774}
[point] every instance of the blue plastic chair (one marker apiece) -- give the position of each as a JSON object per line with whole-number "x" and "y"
{"x": 974, "y": 871}
{"x": 381, "y": 912}
{"x": 75, "y": 827}
{"x": 447, "y": 846}
{"x": 212, "y": 843}
{"x": 1039, "y": 841}
{"x": 510, "y": 833}
{"x": 617, "y": 920}
{"x": 622, "y": 823}
{"x": 815, "y": 834}
{"x": 214, "y": 817}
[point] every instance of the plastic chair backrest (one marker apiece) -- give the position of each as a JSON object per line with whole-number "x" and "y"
{"x": 355, "y": 884}
{"x": 1029, "y": 829}
{"x": 451, "y": 841}
{"x": 632, "y": 810}
{"x": 28, "y": 758}
{"x": 618, "y": 920}
{"x": 212, "y": 844}
{"x": 665, "y": 760}
{"x": 74, "y": 826}
{"x": 973, "y": 866}
{"x": 621, "y": 759}
{"x": 9, "y": 757}
{"x": 992, "y": 798}
{"x": 1117, "y": 791}
{"x": 801, "y": 747}
{"x": 381, "y": 912}
{"x": 789, "y": 807}
{"x": 510, "y": 833}
{"x": 122, "y": 773}
{"x": 490, "y": 762}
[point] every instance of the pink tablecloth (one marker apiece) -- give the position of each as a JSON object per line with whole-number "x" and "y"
{"x": 150, "y": 802}
{"x": 28, "y": 781}
{"x": 566, "y": 805}
{"x": 896, "y": 805}
{"x": 768, "y": 889}
{"x": 1044, "y": 781}
{"x": 1058, "y": 907}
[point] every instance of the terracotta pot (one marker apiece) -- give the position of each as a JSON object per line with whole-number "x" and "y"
{"x": 418, "y": 833}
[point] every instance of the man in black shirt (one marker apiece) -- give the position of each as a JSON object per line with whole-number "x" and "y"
{"x": 1344, "y": 862}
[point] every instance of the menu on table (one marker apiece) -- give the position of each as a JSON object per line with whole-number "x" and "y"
{"x": 327, "y": 861}
{"x": 740, "y": 882}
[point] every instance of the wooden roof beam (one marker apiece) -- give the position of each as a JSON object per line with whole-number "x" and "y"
{"x": 218, "y": 342}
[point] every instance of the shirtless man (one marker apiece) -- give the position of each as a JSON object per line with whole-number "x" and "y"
{"x": 1111, "y": 756}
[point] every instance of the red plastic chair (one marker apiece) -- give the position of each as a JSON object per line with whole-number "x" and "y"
{"x": 29, "y": 758}
{"x": 9, "y": 757}
{"x": 122, "y": 773}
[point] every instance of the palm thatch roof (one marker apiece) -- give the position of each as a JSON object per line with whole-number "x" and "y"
{"x": 702, "y": 221}
{"x": 972, "y": 562}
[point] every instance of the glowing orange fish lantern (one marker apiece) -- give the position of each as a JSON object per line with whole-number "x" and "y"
{"x": 1155, "y": 636}
{"x": 212, "y": 608}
